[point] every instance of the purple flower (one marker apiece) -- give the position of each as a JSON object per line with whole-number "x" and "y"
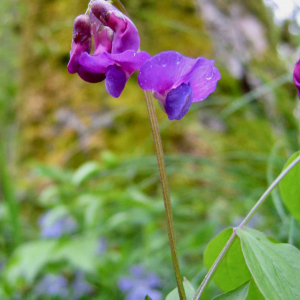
{"x": 52, "y": 227}
{"x": 101, "y": 246}
{"x": 116, "y": 42}
{"x": 140, "y": 284}
{"x": 80, "y": 287}
{"x": 178, "y": 81}
{"x": 52, "y": 285}
{"x": 296, "y": 76}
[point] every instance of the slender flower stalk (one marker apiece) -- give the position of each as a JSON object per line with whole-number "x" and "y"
{"x": 165, "y": 190}
{"x": 232, "y": 238}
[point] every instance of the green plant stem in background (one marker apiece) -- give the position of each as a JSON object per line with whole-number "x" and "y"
{"x": 291, "y": 230}
{"x": 232, "y": 238}
{"x": 275, "y": 193}
{"x": 8, "y": 193}
{"x": 165, "y": 190}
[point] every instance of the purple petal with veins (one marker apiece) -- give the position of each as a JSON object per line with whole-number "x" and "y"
{"x": 163, "y": 71}
{"x": 203, "y": 78}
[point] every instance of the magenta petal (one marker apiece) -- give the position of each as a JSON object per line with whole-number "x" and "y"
{"x": 76, "y": 51}
{"x": 296, "y": 76}
{"x": 178, "y": 101}
{"x": 94, "y": 63}
{"x": 125, "y": 38}
{"x": 130, "y": 61}
{"x": 126, "y": 35}
{"x": 115, "y": 80}
{"x": 81, "y": 41}
{"x": 163, "y": 71}
{"x": 203, "y": 78}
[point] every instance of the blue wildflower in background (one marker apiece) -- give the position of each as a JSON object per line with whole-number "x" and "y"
{"x": 101, "y": 246}
{"x": 140, "y": 284}
{"x": 80, "y": 287}
{"x": 52, "y": 227}
{"x": 53, "y": 286}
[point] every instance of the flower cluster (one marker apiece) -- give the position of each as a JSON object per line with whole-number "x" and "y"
{"x": 54, "y": 227}
{"x": 52, "y": 285}
{"x": 176, "y": 81}
{"x": 116, "y": 44}
{"x": 140, "y": 284}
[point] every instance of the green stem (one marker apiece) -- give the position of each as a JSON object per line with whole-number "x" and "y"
{"x": 165, "y": 190}
{"x": 8, "y": 193}
{"x": 219, "y": 259}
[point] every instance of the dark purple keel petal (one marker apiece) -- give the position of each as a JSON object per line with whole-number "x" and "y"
{"x": 178, "y": 101}
{"x": 90, "y": 77}
{"x": 115, "y": 80}
{"x": 164, "y": 71}
{"x": 203, "y": 78}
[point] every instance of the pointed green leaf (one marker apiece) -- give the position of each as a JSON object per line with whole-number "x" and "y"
{"x": 233, "y": 270}
{"x": 147, "y": 298}
{"x": 290, "y": 188}
{"x": 239, "y": 293}
{"x": 189, "y": 291}
{"x": 275, "y": 267}
{"x": 85, "y": 172}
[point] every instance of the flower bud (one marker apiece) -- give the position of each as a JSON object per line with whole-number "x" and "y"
{"x": 82, "y": 41}
{"x": 81, "y": 29}
{"x": 126, "y": 36}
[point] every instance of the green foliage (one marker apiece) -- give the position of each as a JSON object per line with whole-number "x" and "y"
{"x": 233, "y": 270}
{"x": 290, "y": 188}
{"x": 274, "y": 267}
{"x": 31, "y": 258}
{"x": 240, "y": 293}
{"x": 189, "y": 291}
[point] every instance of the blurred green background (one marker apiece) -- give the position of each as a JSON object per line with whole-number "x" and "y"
{"x": 81, "y": 209}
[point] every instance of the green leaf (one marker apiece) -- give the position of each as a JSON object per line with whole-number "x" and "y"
{"x": 189, "y": 291}
{"x": 239, "y": 293}
{"x": 233, "y": 271}
{"x": 85, "y": 172}
{"x": 147, "y": 298}
{"x": 28, "y": 260}
{"x": 80, "y": 252}
{"x": 275, "y": 267}
{"x": 54, "y": 173}
{"x": 290, "y": 188}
